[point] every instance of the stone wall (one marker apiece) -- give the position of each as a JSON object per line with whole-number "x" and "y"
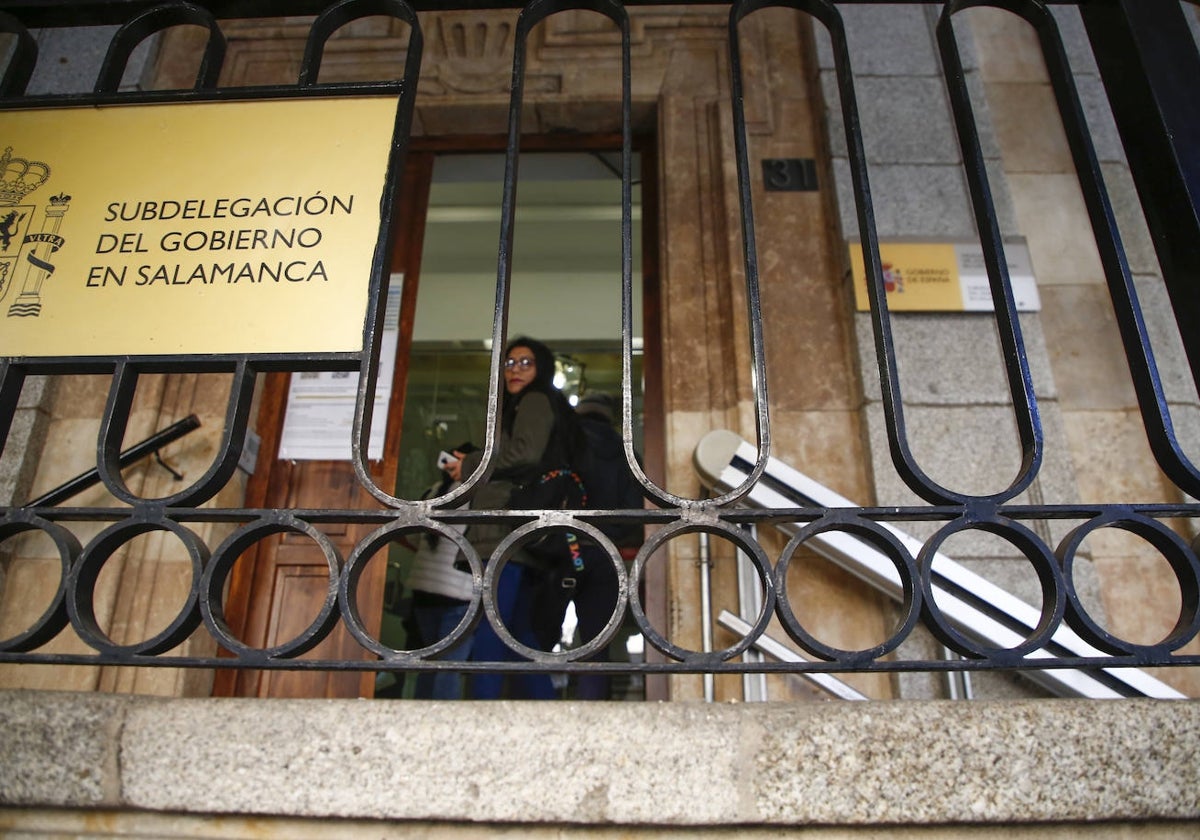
{"x": 960, "y": 425}
{"x": 893, "y": 767}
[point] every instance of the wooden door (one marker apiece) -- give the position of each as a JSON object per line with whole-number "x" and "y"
{"x": 276, "y": 592}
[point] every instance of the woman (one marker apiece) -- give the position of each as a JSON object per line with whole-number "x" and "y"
{"x": 538, "y": 432}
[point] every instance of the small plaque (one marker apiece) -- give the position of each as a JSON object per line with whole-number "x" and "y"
{"x": 790, "y": 174}
{"x": 943, "y": 276}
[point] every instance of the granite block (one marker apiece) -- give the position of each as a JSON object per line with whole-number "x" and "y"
{"x": 69, "y": 59}
{"x": 60, "y": 749}
{"x": 883, "y": 41}
{"x": 950, "y": 358}
{"x": 616, "y": 764}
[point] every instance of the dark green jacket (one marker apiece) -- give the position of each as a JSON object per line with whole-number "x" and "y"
{"x": 520, "y": 458}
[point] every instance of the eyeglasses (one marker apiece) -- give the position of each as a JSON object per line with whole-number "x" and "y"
{"x": 524, "y": 363}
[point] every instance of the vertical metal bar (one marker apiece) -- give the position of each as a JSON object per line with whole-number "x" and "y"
{"x": 1143, "y": 369}
{"x": 323, "y": 28}
{"x": 706, "y": 619}
{"x": 958, "y": 683}
{"x": 827, "y": 13}
{"x": 12, "y": 380}
{"x": 749, "y": 250}
{"x": 21, "y": 60}
{"x": 1016, "y": 364}
{"x": 1150, "y": 67}
{"x": 121, "y": 392}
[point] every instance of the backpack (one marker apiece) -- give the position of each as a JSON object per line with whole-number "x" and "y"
{"x": 610, "y": 485}
{"x": 609, "y": 481}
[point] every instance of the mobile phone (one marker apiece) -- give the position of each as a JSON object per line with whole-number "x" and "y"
{"x": 445, "y": 459}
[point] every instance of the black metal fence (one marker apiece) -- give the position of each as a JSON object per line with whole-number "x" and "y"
{"x": 1149, "y": 64}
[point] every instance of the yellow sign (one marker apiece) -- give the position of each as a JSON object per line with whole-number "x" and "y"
{"x": 198, "y": 228}
{"x": 943, "y": 277}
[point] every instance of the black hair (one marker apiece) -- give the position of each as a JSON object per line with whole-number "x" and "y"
{"x": 565, "y": 421}
{"x": 543, "y": 379}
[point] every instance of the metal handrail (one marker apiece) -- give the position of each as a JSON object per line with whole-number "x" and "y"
{"x": 140, "y": 450}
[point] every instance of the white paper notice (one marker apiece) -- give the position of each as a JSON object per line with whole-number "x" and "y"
{"x": 320, "y": 408}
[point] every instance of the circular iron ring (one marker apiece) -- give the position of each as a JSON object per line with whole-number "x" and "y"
{"x": 884, "y": 541}
{"x": 503, "y": 555}
{"x": 81, "y": 587}
{"x": 735, "y": 535}
{"x": 357, "y": 561}
{"x": 227, "y": 553}
{"x": 1174, "y": 550}
{"x": 1049, "y": 576}
{"x": 51, "y": 622}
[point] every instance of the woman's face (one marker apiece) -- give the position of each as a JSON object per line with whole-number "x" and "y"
{"x": 520, "y": 368}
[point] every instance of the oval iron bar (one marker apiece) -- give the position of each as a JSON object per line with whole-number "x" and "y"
{"x": 753, "y": 300}
{"x": 530, "y": 16}
{"x": 116, "y": 418}
{"x": 1147, "y": 384}
{"x": 347, "y": 11}
{"x": 360, "y": 435}
{"x": 881, "y": 324}
{"x": 1016, "y": 362}
{"x": 129, "y": 36}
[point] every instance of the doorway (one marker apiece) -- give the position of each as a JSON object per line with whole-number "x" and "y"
{"x": 565, "y": 290}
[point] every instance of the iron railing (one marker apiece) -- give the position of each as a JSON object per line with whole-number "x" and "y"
{"x": 1149, "y": 64}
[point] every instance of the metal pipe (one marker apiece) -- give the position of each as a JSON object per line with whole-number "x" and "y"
{"x": 958, "y": 683}
{"x": 134, "y": 453}
{"x": 750, "y": 602}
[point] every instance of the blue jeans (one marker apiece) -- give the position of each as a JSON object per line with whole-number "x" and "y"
{"x": 514, "y": 602}
{"x": 436, "y": 623}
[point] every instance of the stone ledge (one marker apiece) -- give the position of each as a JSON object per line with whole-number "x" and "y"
{"x": 900, "y": 763}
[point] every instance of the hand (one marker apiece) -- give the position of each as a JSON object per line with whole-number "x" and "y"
{"x": 454, "y": 468}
